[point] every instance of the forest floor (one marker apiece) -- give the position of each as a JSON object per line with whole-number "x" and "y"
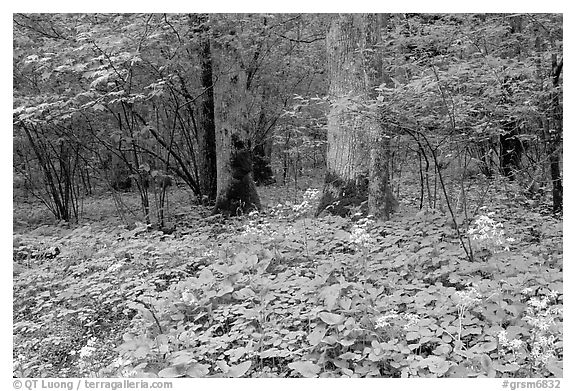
{"x": 283, "y": 294}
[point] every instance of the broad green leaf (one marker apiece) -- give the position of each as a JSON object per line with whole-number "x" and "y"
{"x": 197, "y": 370}
{"x": 239, "y": 370}
{"x": 315, "y": 337}
{"x": 174, "y": 371}
{"x": 331, "y": 318}
{"x": 305, "y": 368}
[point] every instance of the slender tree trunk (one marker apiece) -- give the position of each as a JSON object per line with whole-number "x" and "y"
{"x": 555, "y": 138}
{"x": 381, "y": 202}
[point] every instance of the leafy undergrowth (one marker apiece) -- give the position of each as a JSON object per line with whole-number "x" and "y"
{"x": 279, "y": 294}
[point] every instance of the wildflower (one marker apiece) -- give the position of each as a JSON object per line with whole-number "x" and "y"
{"x": 514, "y": 344}
{"x": 121, "y": 362}
{"x": 310, "y": 195}
{"x": 253, "y": 228}
{"x": 411, "y": 319}
{"x": 543, "y": 349}
{"x": 502, "y": 337}
{"x": 526, "y": 291}
{"x": 468, "y": 298}
{"x": 188, "y": 297}
{"x": 89, "y": 349}
{"x": 359, "y": 236}
{"x": 115, "y": 267}
{"x": 488, "y": 234}
{"x": 383, "y": 320}
{"x": 538, "y": 304}
{"x": 553, "y": 294}
{"x": 541, "y": 321}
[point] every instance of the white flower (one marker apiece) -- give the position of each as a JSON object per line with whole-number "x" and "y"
{"x": 359, "y": 236}
{"x": 538, "y": 304}
{"x": 526, "y": 291}
{"x": 188, "y": 297}
{"x": 553, "y": 294}
{"x": 412, "y": 319}
{"x": 87, "y": 351}
{"x": 121, "y": 362}
{"x": 515, "y": 344}
{"x": 115, "y": 267}
{"x": 542, "y": 323}
{"x": 468, "y": 298}
{"x": 542, "y": 349}
{"x": 488, "y": 234}
{"x": 383, "y": 320}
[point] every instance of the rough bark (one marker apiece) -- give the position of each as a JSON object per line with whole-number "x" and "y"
{"x": 351, "y": 132}
{"x": 555, "y": 139}
{"x": 381, "y": 202}
{"x": 235, "y": 193}
{"x": 239, "y": 195}
{"x": 206, "y": 128}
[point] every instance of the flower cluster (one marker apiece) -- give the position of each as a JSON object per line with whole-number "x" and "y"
{"x": 543, "y": 349}
{"x": 488, "y": 234}
{"x": 256, "y": 226}
{"x": 359, "y": 233}
{"x": 89, "y": 349}
{"x": 383, "y": 321}
{"x": 510, "y": 344}
{"x": 542, "y": 317}
{"x": 85, "y": 354}
{"x": 513, "y": 346}
{"x": 539, "y": 314}
{"x": 411, "y": 320}
{"x": 188, "y": 297}
{"x": 115, "y": 266}
{"x": 290, "y": 210}
{"x": 468, "y": 298}
{"x": 309, "y": 199}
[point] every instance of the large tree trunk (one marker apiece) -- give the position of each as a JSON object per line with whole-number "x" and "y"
{"x": 236, "y": 190}
{"x": 206, "y": 128}
{"x": 351, "y": 133}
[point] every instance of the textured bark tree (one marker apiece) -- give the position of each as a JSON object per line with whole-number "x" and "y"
{"x": 351, "y": 160}
{"x": 205, "y": 123}
{"x": 236, "y": 190}
{"x": 381, "y": 202}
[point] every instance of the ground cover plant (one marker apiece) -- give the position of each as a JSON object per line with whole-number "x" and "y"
{"x": 288, "y": 195}
{"x": 278, "y": 293}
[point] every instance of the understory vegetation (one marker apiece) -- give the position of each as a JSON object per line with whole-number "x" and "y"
{"x": 282, "y": 294}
